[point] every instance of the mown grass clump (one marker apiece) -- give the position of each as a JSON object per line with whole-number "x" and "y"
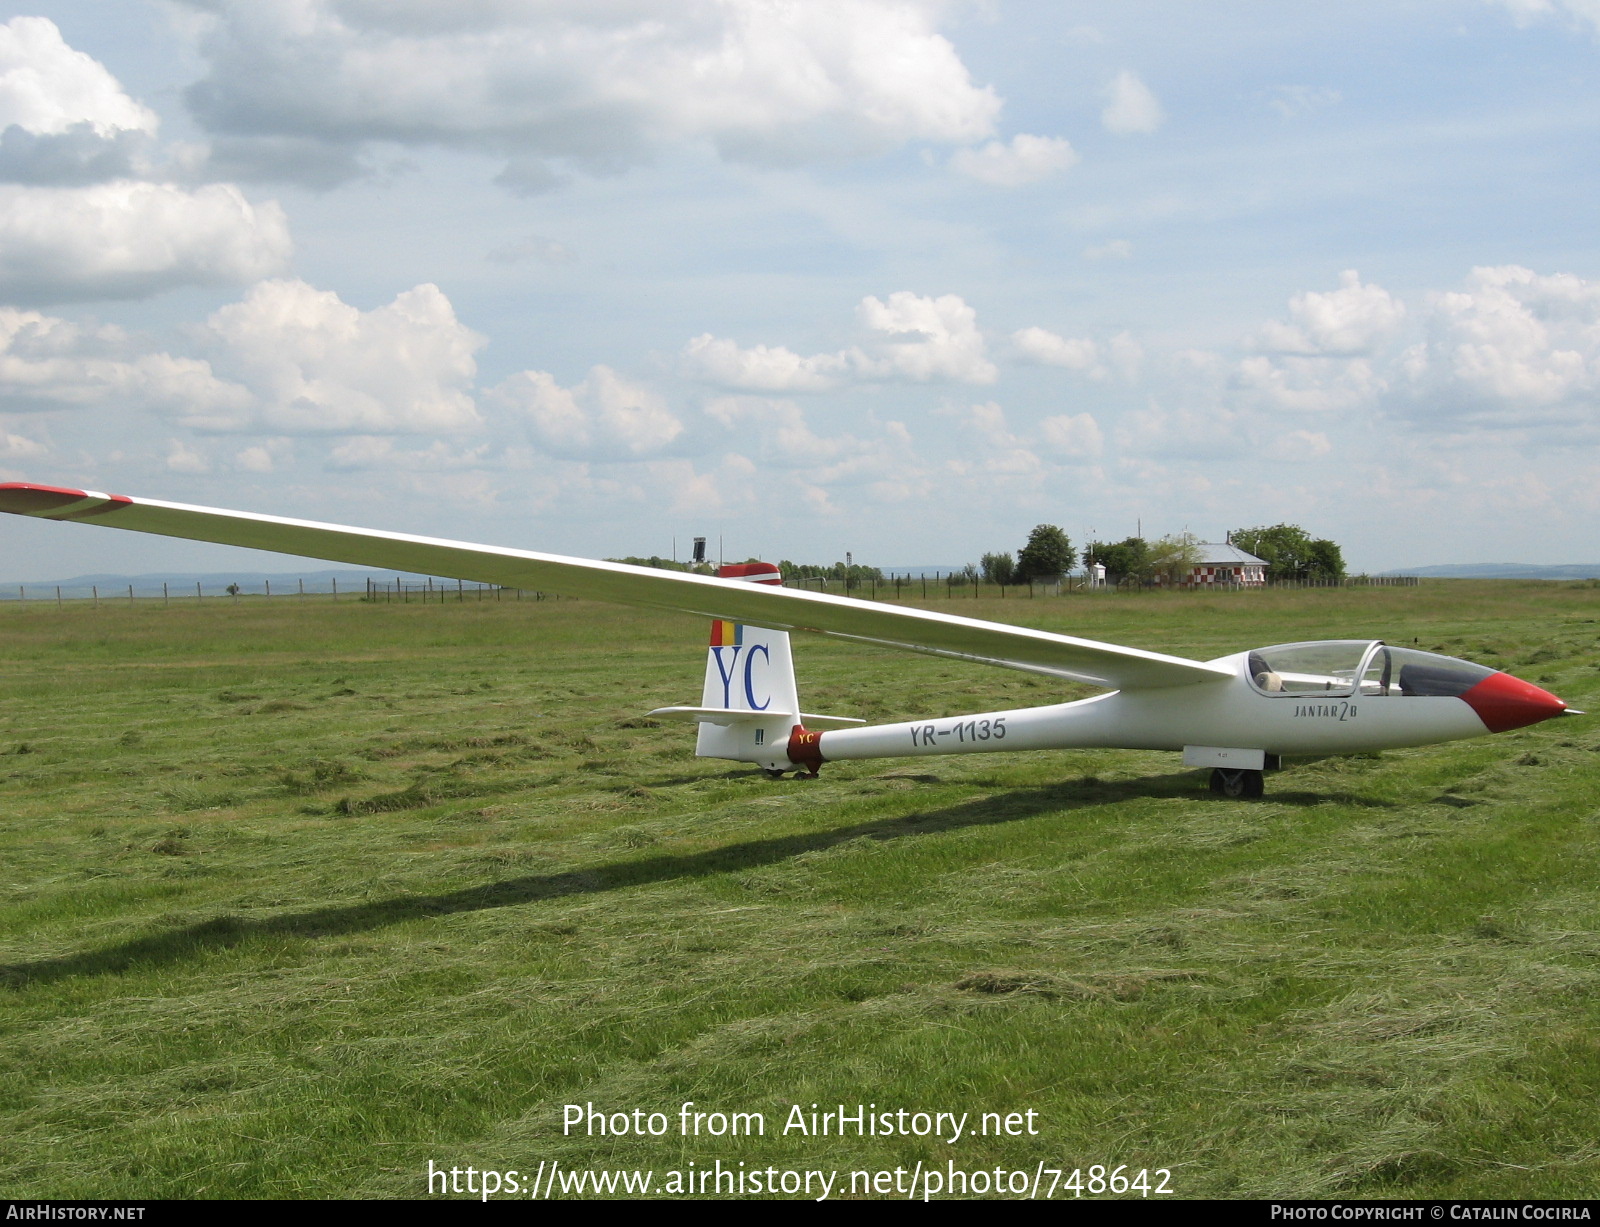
{"x": 300, "y": 896}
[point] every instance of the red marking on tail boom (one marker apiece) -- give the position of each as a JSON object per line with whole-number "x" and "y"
{"x": 805, "y": 749}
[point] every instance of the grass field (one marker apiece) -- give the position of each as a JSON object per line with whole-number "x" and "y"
{"x": 300, "y": 896}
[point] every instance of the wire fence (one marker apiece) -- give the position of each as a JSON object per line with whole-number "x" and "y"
{"x": 404, "y": 590}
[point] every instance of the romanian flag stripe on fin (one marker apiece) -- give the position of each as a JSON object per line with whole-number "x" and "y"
{"x": 726, "y": 634}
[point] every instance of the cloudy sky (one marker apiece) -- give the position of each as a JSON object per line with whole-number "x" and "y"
{"x": 898, "y": 277}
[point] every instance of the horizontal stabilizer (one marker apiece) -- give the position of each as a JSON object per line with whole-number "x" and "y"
{"x": 718, "y": 715}
{"x": 734, "y": 715}
{"x": 813, "y": 721}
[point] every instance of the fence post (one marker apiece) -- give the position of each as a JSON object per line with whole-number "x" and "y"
{"x": 336, "y": 589}
{"x": 197, "y": 597}
{"x": 164, "y": 597}
{"x": 269, "y": 589}
{"x": 95, "y": 589}
{"x": 130, "y": 594}
{"x": 58, "y": 596}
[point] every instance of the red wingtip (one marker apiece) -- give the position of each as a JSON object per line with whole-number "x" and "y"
{"x": 751, "y": 572}
{"x": 24, "y": 498}
{"x": 1504, "y": 702}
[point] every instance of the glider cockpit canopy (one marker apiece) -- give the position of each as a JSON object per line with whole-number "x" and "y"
{"x": 1371, "y": 668}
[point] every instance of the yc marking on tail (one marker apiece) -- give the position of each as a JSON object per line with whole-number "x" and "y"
{"x": 731, "y": 670}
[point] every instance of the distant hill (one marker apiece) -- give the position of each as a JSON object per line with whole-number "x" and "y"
{"x": 1504, "y": 570}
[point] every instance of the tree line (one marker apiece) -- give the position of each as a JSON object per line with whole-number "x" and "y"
{"x": 1288, "y": 550}
{"x": 851, "y": 574}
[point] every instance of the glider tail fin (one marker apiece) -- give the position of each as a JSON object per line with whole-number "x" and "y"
{"x": 750, "y": 677}
{"x": 750, "y": 707}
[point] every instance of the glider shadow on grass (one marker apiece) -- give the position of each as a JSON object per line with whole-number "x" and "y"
{"x": 224, "y": 932}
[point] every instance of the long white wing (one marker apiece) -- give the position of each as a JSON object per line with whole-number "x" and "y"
{"x": 884, "y": 625}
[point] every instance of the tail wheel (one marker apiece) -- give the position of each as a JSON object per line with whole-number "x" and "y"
{"x": 1239, "y": 785}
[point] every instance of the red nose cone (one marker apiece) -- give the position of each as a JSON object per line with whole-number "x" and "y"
{"x": 1504, "y": 702}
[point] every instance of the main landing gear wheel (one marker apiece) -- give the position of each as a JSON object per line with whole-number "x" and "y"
{"x": 1242, "y": 785}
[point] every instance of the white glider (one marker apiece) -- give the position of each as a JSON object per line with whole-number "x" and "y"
{"x": 1237, "y": 714}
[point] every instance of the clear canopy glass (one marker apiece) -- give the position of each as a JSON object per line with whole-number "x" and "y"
{"x": 1327, "y": 667}
{"x": 1332, "y": 667}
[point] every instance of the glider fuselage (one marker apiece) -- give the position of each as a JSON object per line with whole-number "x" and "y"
{"x": 1229, "y": 713}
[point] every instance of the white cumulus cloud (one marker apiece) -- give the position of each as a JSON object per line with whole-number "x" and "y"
{"x": 1511, "y": 348}
{"x": 51, "y": 363}
{"x": 1121, "y": 354}
{"x": 128, "y": 239}
{"x": 606, "y": 417}
{"x": 314, "y": 364}
{"x": 1330, "y": 354}
{"x": 1027, "y": 159}
{"x": 82, "y": 213}
{"x": 767, "y": 368}
{"x": 1130, "y": 106}
{"x": 906, "y": 336}
{"x": 926, "y": 338}
{"x": 48, "y": 88}
{"x": 1346, "y": 321}
{"x": 1309, "y": 385}
{"x": 1513, "y": 345}
{"x": 1042, "y": 345}
{"x": 591, "y": 85}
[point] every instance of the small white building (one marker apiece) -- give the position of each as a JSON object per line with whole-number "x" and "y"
{"x": 1223, "y": 565}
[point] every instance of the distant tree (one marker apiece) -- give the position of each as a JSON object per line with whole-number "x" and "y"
{"x": 1327, "y": 560}
{"x": 999, "y": 569}
{"x": 1125, "y": 561}
{"x": 1047, "y": 556}
{"x": 232, "y": 589}
{"x": 1172, "y": 559}
{"x": 851, "y": 576}
{"x": 1290, "y": 552}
